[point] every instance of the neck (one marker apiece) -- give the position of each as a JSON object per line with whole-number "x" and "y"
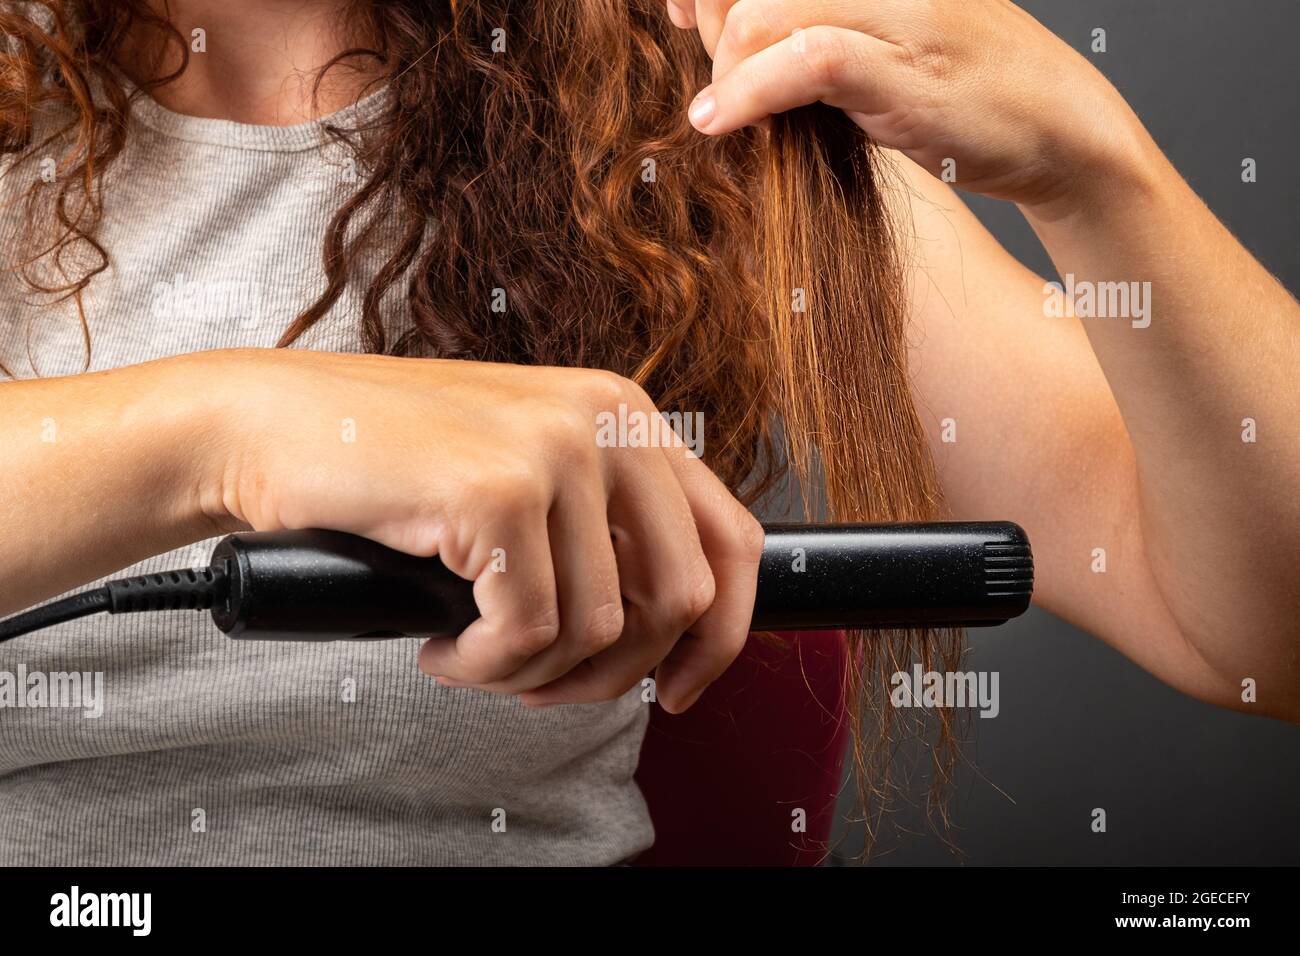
{"x": 255, "y": 61}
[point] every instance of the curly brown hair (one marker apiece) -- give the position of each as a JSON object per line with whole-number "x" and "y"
{"x": 753, "y": 277}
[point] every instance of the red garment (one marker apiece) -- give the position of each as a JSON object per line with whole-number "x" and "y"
{"x": 768, "y": 737}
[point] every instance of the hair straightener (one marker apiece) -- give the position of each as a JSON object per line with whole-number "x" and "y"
{"x": 327, "y": 585}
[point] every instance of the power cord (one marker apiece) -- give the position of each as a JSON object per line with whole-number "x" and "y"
{"x": 193, "y": 589}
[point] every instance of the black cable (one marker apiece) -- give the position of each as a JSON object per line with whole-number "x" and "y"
{"x": 68, "y": 609}
{"x": 193, "y": 589}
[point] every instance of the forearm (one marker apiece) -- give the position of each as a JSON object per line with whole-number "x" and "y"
{"x": 100, "y": 471}
{"x": 1219, "y": 512}
{"x": 1155, "y": 411}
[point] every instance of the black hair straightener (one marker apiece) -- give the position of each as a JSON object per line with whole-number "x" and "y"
{"x": 328, "y": 585}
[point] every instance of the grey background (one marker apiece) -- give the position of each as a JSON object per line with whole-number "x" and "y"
{"x": 1081, "y": 727}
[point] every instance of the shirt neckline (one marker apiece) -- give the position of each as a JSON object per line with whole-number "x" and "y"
{"x": 251, "y": 136}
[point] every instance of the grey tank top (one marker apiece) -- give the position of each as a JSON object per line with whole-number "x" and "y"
{"x": 154, "y": 739}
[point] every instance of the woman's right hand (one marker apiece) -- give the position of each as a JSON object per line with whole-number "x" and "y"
{"x": 589, "y": 563}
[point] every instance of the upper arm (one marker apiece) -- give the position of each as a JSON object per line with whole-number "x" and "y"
{"x": 1037, "y": 436}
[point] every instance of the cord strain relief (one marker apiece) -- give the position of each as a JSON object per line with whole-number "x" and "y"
{"x": 192, "y": 589}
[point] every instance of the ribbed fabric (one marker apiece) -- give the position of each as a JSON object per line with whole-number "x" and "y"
{"x": 212, "y": 751}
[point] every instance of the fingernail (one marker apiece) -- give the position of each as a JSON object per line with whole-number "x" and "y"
{"x": 702, "y": 109}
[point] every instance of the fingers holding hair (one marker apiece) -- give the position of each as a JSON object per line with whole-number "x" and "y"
{"x": 831, "y": 65}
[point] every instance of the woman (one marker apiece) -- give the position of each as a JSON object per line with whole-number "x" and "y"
{"x": 530, "y": 205}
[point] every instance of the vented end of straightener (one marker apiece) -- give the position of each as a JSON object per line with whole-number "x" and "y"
{"x": 938, "y": 574}
{"x": 1009, "y": 570}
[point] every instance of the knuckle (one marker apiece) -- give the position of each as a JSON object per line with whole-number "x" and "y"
{"x": 929, "y": 45}
{"x": 702, "y": 596}
{"x": 635, "y": 395}
{"x": 747, "y": 25}
{"x": 750, "y": 537}
{"x": 604, "y": 628}
{"x": 929, "y": 59}
{"x": 516, "y": 488}
{"x": 695, "y": 598}
{"x": 607, "y": 390}
{"x": 536, "y": 636}
{"x": 823, "y": 57}
{"x": 572, "y": 435}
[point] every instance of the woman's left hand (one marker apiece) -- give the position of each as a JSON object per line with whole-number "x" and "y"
{"x": 1157, "y": 418}
{"x": 977, "y": 92}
